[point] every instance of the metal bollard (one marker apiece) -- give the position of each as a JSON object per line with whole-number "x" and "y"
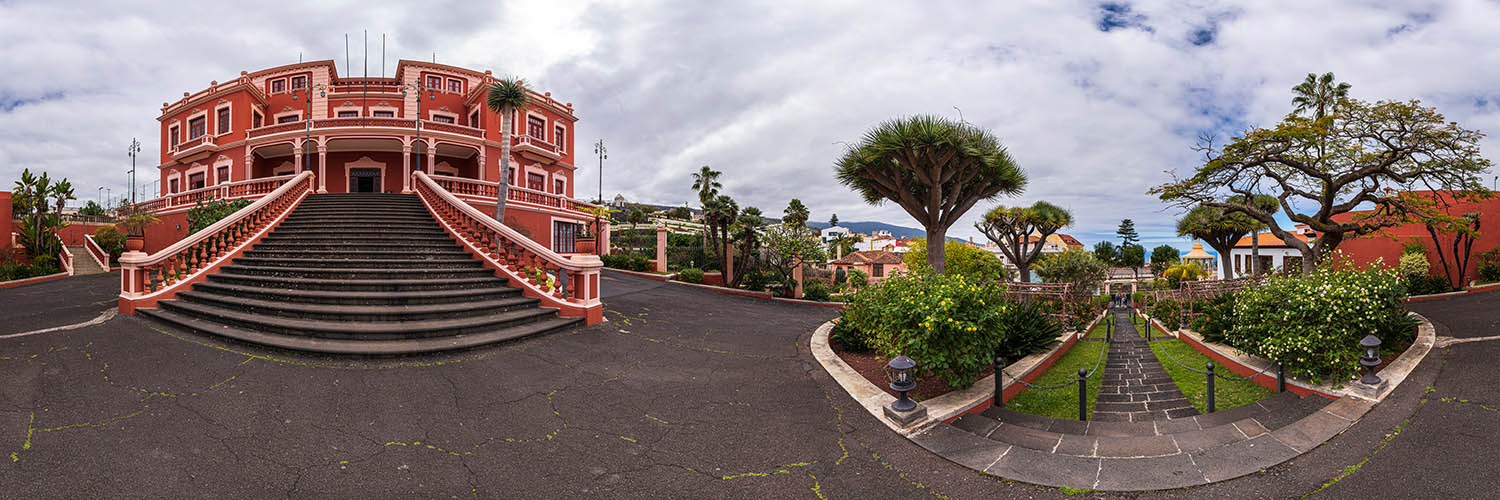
{"x": 999, "y": 382}
{"x": 1109, "y": 332}
{"x": 1280, "y": 378}
{"x": 1210, "y": 386}
{"x": 1083, "y": 394}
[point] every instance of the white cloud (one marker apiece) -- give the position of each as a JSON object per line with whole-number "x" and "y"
{"x": 766, "y": 91}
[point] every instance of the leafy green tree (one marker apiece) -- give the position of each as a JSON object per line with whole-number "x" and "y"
{"x": 706, "y": 183}
{"x": 833, "y": 221}
{"x": 1012, "y": 229}
{"x": 961, "y": 259}
{"x": 1359, "y": 155}
{"x": 505, "y": 97}
{"x": 1163, "y": 257}
{"x": 795, "y": 214}
{"x": 789, "y": 247}
{"x": 92, "y": 208}
{"x": 1074, "y": 266}
{"x": 1133, "y": 256}
{"x": 1106, "y": 252}
{"x": 934, "y": 168}
{"x": 1221, "y": 229}
{"x": 680, "y": 213}
{"x": 1127, "y": 233}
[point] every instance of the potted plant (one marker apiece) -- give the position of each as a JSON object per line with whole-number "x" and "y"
{"x": 133, "y": 222}
{"x": 588, "y": 242}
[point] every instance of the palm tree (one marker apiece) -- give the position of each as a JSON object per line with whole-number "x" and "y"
{"x": 506, "y": 96}
{"x": 747, "y": 233}
{"x": 934, "y": 168}
{"x": 719, "y": 213}
{"x": 1318, "y": 94}
{"x": 706, "y": 183}
{"x": 796, "y": 214}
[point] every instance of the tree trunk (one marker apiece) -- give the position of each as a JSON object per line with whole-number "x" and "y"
{"x": 1023, "y": 272}
{"x": 935, "y": 240}
{"x": 504, "y": 189}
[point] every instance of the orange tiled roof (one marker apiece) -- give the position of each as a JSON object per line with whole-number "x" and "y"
{"x": 1268, "y": 240}
{"x": 870, "y": 257}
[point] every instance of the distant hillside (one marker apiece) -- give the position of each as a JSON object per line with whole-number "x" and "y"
{"x": 868, "y": 227}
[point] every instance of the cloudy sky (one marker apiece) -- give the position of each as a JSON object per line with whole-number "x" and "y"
{"x": 1095, "y": 100}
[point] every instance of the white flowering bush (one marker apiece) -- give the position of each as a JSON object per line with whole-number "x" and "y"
{"x": 1312, "y": 323}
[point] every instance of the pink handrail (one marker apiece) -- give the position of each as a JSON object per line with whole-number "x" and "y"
{"x": 97, "y": 252}
{"x": 225, "y": 191}
{"x": 146, "y": 278}
{"x": 571, "y": 282}
{"x": 65, "y": 258}
{"x": 486, "y": 190}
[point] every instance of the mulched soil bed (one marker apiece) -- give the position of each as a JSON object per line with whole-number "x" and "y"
{"x": 872, "y": 367}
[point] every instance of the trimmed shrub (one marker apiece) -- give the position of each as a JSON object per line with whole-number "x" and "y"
{"x": 1413, "y": 264}
{"x": 1421, "y": 284}
{"x": 640, "y": 263}
{"x": 111, "y": 240}
{"x": 690, "y": 275}
{"x": 1312, "y": 323}
{"x": 858, "y": 279}
{"x": 616, "y": 261}
{"x": 847, "y": 336}
{"x": 949, "y": 324}
{"x": 816, "y": 290}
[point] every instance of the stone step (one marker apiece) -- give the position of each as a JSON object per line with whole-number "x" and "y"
{"x": 346, "y": 297}
{"x": 316, "y": 224}
{"x": 358, "y": 285}
{"x": 360, "y": 313}
{"x": 462, "y": 262}
{"x": 366, "y": 241}
{"x": 343, "y": 329}
{"x": 450, "y": 252}
{"x": 1108, "y": 444}
{"x": 430, "y": 231}
{"x": 336, "y": 246}
{"x": 356, "y": 273}
{"x": 362, "y": 346}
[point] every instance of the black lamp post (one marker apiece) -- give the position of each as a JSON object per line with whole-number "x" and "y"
{"x": 1371, "y": 344}
{"x": 307, "y": 136}
{"x": 903, "y": 380}
{"x": 418, "y": 149}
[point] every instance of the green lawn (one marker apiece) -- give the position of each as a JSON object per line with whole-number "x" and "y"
{"x": 1098, "y": 331}
{"x": 1227, "y": 394}
{"x": 1063, "y": 403}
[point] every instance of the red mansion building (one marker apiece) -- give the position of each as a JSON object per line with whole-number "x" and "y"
{"x": 368, "y": 135}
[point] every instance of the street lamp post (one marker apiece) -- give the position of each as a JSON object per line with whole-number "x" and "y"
{"x": 430, "y": 96}
{"x": 135, "y": 147}
{"x": 603, "y": 153}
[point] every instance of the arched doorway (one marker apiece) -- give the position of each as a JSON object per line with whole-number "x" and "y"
{"x": 365, "y": 175}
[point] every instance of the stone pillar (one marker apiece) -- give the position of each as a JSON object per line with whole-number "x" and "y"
{"x": 661, "y": 249}
{"x": 797, "y": 277}
{"x": 602, "y": 244}
{"x": 249, "y": 161}
{"x": 431, "y": 159}
{"x": 297, "y": 159}
{"x": 406, "y": 168}
{"x": 322, "y": 168}
{"x": 482, "y": 165}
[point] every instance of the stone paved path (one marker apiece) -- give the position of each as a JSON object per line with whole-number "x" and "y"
{"x": 1135, "y": 387}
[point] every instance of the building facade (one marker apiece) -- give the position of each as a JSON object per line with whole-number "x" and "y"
{"x": 368, "y": 135}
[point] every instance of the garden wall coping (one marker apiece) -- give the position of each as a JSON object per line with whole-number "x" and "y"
{"x": 939, "y": 409}
{"x": 33, "y": 279}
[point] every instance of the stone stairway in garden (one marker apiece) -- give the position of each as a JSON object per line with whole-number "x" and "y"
{"x": 83, "y": 263}
{"x": 1135, "y": 445}
{"x": 1135, "y": 387}
{"x": 359, "y": 273}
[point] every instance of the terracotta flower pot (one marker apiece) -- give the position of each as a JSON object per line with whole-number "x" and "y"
{"x": 135, "y": 243}
{"x": 584, "y": 245}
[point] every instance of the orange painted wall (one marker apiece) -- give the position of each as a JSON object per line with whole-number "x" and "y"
{"x": 173, "y": 227}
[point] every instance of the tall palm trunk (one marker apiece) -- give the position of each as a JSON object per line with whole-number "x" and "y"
{"x": 504, "y": 191}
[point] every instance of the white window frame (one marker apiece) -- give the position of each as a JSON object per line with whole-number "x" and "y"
{"x": 271, "y": 85}
{"x": 276, "y": 120}
{"x": 431, "y": 116}
{"x": 174, "y": 131}
{"x": 526, "y": 127}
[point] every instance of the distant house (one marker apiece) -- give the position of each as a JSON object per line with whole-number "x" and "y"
{"x": 1275, "y": 255}
{"x": 874, "y": 263}
{"x": 831, "y": 233}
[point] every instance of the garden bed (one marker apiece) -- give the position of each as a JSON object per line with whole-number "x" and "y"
{"x": 1063, "y": 403}
{"x": 1227, "y": 394}
{"x": 872, "y": 367}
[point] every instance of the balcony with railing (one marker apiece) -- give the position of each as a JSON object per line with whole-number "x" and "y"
{"x": 536, "y": 148}
{"x": 201, "y": 144}
{"x": 474, "y": 189}
{"x": 238, "y": 190}
{"x": 367, "y": 122}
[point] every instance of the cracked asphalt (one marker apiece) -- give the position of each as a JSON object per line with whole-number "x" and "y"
{"x": 683, "y": 393}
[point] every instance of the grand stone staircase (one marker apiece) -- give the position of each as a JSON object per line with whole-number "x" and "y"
{"x": 359, "y": 273}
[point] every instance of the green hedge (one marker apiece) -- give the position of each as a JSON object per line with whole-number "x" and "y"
{"x": 950, "y": 325}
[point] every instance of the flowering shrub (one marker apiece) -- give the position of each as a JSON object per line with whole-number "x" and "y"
{"x": 949, "y": 324}
{"x": 1168, "y": 312}
{"x": 1489, "y": 265}
{"x": 1312, "y": 323}
{"x": 1216, "y": 318}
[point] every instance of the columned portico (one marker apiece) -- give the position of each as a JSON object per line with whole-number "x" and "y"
{"x": 323, "y": 166}
{"x": 406, "y": 167}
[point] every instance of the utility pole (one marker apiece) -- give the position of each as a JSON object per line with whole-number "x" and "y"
{"x": 603, "y": 153}
{"x": 135, "y": 147}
